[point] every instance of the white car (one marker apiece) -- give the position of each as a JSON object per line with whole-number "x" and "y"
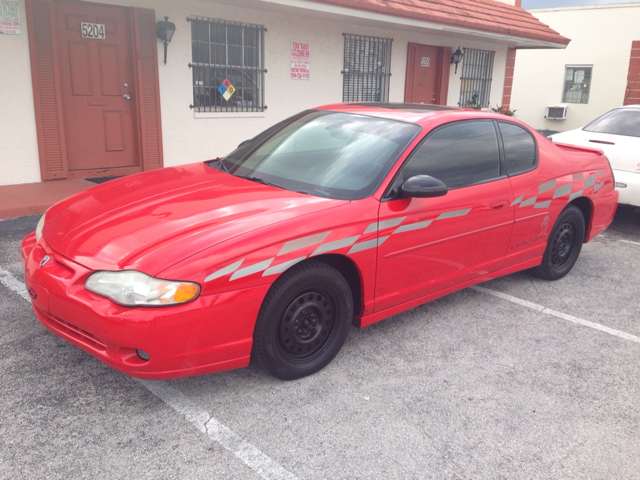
{"x": 617, "y": 134}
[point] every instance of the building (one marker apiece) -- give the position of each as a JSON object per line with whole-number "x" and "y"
{"x": 85, "y": 91}
{"x": 598, "y": 71}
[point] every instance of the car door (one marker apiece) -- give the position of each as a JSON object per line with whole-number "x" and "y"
{"x": 430, "y": 244}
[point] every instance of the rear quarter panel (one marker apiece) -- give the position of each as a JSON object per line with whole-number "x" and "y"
{"x": 563, "y": 175}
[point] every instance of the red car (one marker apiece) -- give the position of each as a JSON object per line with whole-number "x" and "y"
{"x": 347, "y": 213}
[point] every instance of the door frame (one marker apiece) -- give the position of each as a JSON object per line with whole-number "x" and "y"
{"x": 442, "y": 81}
{"x": 49, "y": 113}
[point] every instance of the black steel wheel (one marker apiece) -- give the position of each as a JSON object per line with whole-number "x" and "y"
{"x": 563, "y": 246}
{"x": 303, "y": 322}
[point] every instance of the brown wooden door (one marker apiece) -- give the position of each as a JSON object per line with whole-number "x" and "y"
{"x": 427, "y": 74}
{"x": 96, "y": 83}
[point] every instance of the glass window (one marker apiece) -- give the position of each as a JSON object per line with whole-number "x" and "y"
{"x": 367, "y": 68}
{"x": 227, "y": 66}
{"x": 475, "y": 81}
{"x": 519, "y": 148}
{"x": 624, "y": 121}
{"x": 459, "y": 154}
{"x": 577, "y": 82}
{"x": 329, "y": 154}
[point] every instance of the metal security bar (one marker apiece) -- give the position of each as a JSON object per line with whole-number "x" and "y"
{"x": 367, "y": 65}
{"x": 477, "y": 69}
{"x": 228, "y": 66}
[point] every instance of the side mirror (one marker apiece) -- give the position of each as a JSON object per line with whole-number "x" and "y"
{"x": 423, "y": 186}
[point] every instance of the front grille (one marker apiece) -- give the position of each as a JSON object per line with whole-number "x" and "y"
{"x": 75, "y": 332}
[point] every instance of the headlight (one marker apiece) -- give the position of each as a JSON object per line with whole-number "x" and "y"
{"x": 39, "y": 227}
{"x": 136, "y": 289}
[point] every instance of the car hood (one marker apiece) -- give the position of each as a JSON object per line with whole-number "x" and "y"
{"x": 153, "y": 220}
{"x": 622, "y": 151}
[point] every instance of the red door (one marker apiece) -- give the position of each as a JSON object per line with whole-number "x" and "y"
{"x": 427, "y": 75}
{"x": 441, "y": 242}
{"x": 96, "y": 76}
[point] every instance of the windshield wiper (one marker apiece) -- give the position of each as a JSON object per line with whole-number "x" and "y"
{"x": 260, "y": 180}
{"x": 221, "y": 165}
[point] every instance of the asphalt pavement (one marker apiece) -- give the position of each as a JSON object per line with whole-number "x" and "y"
{"x": 521, "y": 378}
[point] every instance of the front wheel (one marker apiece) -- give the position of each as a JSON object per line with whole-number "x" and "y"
{"x": 563, "y": 246}
{"x": 303, "y": 322}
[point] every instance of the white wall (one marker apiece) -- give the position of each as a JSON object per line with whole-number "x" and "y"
{"x": 187, "y": 136}
{"x": 600, "y": 36}
{"x": 18, "y": 138}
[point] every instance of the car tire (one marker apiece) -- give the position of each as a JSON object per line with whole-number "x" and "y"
{"x": 563, "y": 246}
{"x": 303, "y": 321}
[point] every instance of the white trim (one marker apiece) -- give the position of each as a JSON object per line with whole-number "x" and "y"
{"x": 363, "y": 14}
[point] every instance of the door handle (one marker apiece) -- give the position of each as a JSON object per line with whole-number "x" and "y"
{"x": 499, "y": 205}
{"x": 127, "y": 96}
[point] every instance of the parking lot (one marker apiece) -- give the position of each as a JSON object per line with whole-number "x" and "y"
{"x": 519, "y": 378}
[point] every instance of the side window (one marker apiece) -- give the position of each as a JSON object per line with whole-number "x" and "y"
{"x": 459, "y": 154}
{"x": 519, "y": 148}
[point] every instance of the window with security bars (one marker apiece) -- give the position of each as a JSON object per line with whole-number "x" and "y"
{"x": 577, "y": 81}
{"x": 366, "y": 72}
{"x": 228, "y": 66}
{"x": 475, "y": 81}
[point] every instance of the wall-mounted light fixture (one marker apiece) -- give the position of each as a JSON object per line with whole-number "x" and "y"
{"x": 164, "y": 31}
{"x": 456, "y": 58}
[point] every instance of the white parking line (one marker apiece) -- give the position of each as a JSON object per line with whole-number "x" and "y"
{"x": 555, "y": 313}
{"x": 629, "y": 241}
{"x": 259, "y": 462}
{"x": 203, "y": 421}
{"x": 12, "y": 283}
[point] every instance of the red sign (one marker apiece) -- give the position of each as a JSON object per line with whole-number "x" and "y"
{"x": 300, "y": 60}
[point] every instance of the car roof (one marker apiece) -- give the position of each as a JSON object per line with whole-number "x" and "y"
{"x": 409, "y": 112}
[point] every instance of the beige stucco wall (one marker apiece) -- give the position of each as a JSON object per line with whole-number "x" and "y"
{"x": 600, "y": 36}
{"x": 18, "y": 142}
{"x": 187, "y": 137}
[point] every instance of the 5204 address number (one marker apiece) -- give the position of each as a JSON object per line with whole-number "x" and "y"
{"x": 92, "y": 30}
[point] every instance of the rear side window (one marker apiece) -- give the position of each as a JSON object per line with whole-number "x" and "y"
{"x": 519, "y": 148}
{"x": 458, "y": 154}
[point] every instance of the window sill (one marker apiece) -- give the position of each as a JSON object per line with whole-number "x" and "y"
{"x": 229, "y": 114}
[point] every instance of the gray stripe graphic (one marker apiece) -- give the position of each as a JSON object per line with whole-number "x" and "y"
{"x": 454, "y": 213}
{"x": 529, "y": 201}
{"x": 600, "y": 172}
{"x": 563, "y": 190}
{"x": 224, "y": 271}
{"x": 358, "y": 247}
{"x": 578, "y": 176}
{"x": 546, "y": 186}
{"x": 256, "y": 267}
{"x": 394, "y": 222}
{"x": 517, "y": 200}
{"x": 303, "y": 242}
{"x": 412, "y": 226}
{"x": 282, "y": 266}
{"x": 335, "y": 245}
{"x": 542, "y": 204}
{"x": 575, "y": 195}
{"x": 598, "y": 186}
{"x": 589, "y": 181}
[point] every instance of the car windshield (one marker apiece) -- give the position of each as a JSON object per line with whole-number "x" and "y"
{"x": 322, "y": 153}
{"x": 618, "y": 122}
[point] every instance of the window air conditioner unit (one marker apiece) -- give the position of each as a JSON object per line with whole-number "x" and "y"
{"x": 556, "y": 112}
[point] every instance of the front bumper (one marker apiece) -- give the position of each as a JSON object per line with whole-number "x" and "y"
{"x": 210, "y": 334}
{"x": 629, "y": 195}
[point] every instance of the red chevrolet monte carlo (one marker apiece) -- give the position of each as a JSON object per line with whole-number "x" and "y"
{"x": 347, "y": 213}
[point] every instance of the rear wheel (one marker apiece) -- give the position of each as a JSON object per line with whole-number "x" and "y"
{"x": 303, "y": 322}
{"x": 563, "y": 246}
